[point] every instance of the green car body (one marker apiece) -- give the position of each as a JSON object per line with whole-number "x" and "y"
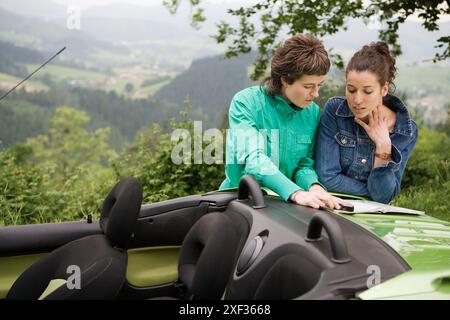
{"x": 422, "y": 241}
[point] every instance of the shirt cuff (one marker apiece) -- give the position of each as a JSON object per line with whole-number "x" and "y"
{"x": 280, "y": 184}
{"x": 306, "y": 178}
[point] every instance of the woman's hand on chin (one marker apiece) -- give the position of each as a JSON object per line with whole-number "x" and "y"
{"x": 377, "y": 128}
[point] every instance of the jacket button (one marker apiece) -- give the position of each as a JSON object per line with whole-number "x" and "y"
{"x": 363, "y": 160}
{"x": 344, "y": 140}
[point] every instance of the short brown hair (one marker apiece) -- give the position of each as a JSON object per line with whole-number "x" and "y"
{"x": 302, "y": 54}
{"x": 377, "y": 59}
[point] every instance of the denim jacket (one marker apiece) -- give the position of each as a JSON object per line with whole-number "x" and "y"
{"x": 345, "y": 154}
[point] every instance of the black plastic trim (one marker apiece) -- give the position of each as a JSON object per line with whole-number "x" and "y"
{"x": 38, "y": 238}
{"x": 338, "y": 245}
{"x": 249, "y": 186}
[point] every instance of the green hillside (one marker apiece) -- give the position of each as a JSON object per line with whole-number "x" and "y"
{"x": 425, "y": 79}
{"x": 210, "y": 83}
{"x": 11, "y": 57}
{"x": 25, "y": 114}
{"x": 64, "y": 73}
{"x": 20, "y": 120}
{"x": 7, "y": 82}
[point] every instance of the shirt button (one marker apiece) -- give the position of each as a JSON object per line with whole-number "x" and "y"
{"x": 363, "y": 160}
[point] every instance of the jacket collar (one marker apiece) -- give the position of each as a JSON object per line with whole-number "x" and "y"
{"x": 403, "y": 124}
{"x": 284, "y": 106}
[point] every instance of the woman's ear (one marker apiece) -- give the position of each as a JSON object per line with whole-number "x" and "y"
{"x": 385, "y": 89}
{"x": 283, "y": 82}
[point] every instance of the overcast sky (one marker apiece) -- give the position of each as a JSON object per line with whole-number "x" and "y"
{"x": 89, "y": 3}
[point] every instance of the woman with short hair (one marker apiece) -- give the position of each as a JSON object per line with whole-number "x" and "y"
{"x": 273, "y": 126}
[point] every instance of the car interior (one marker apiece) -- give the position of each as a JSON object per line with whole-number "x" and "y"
{"x": 223, "y": 245}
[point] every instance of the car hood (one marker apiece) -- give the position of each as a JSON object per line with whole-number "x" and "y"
{"x": 424, "y": 243}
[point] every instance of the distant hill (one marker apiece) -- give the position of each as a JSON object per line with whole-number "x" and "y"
{"x": 26, "y": 114}
{"x": 49, "y": 37}
{"x": 210, "y": 83}
{"x": 11, "y": 56}
{"x": 127, "y": 33}
{"x": 416, "y": 42}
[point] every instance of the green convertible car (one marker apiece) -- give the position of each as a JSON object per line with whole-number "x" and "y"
{"x": 243, "y": 244}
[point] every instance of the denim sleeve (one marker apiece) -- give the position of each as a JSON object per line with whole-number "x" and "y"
{"x": 305, "y": 175}
{"x": 247, "y": 146}
{"x": 328, "y": 166}
{"x": 384, "y": 182}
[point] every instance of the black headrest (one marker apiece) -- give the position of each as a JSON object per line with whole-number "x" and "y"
{"x": 209, "y": 253}
{"x": 290, "y": 276}
{"x": 120, "y": 211}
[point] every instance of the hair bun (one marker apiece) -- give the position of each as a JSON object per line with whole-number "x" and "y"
{"x": 381, "y": 47}
{"x": 375, "y": 58}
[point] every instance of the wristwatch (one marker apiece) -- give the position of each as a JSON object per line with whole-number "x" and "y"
{"x": 383, "y": 156}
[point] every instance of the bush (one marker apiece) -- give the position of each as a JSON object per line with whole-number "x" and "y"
{"x": 149, "y": 159}
{"x": 429, "y": 161}
{"x": 61, "y": 176}
{"x": 426, "y": 183}
{"x": 67, "y": 173}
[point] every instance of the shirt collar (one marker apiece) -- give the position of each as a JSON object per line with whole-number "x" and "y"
{"x": 403, "y": 124}
{"x": 287, "y": 108}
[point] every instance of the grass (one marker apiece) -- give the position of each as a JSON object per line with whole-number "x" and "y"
{"x": 7, "y": 82}
{"x": 19, "y": 38}
{"x": 66, "y": 73}
{"x": 89, "y": 79}
{"x": 118, "y": 85}
{"x": 434, "y": 201}
{"x": 111, "y": 57}
{"x": 135, "y": 76}
{"x": 150, "y": 90}
{"x": 424, "y": 77}
{"x": 138, "y": 92}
